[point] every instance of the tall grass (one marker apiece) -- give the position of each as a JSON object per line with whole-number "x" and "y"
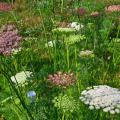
{"x": 102, "y": 68}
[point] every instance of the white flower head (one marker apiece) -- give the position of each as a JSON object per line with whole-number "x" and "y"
{"x": 102, "y": 97}
{"x": 112, "y": 111}
{"x": 53, "y": 43}
{"x": 91, "y": 107}
{"x": 50, "y": 43}
{"x": 15, "y": 51}
{"x": 117, "y": 110}
{"x": 77, "y": 26}
{"x": 21, "y": 77}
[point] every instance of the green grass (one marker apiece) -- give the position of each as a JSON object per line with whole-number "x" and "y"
{"x": 99, "y": 34}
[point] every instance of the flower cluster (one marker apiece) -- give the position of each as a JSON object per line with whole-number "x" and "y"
{"x": 69, "y": 27}
{"x": 5, "y": 6}
{"x": 81, "y": 11}
{"x": 32, "y": 96}
{"x": 102, "y": 96}
{"x": 95, "y": 14}
{"x": 65, "y": 103}
{"x": 76, "y": 26}
{"x": 86, "y": 53}
{"x": 9, "y": 39}
{"x": 21, "y": 77}
{"x": 113, "y": 8}
{"x": 62, "y": 79}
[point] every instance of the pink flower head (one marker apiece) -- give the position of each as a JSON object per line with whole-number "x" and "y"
{"x": 81, "y": 11}
{"x": 9, "y": 39}
{"x": 95, "y": 14}
{"x": 5, "y": 6}
{"x": 113, "y": 8}
{"x": 62, "y": 79}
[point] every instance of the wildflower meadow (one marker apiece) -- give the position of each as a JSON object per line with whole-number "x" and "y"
{"x": 59, "y": 59}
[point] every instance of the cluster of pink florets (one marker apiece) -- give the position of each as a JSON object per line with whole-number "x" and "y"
{"x": 9, "y": 39}
{"x": 62, "y": 79}
{"x": 5, "y": 6}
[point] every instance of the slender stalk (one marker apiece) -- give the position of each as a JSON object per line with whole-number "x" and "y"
{"x": 63, "y": 117}
{"x": 62, "y": 5}
{"x": 75, "y": 56}
{"x": 17, "y": 93}
{"x": 67, "y": 52}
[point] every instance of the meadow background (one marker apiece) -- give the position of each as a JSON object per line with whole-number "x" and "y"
{"x": 50, "y": 46}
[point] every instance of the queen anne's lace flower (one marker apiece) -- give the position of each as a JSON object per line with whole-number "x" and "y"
{"x": 102, "y": 96}
{"x": 76, "y": 25}
{"x": 21, "y": 77}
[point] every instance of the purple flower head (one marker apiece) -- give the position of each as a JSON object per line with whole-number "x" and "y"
{"x": 9, "y": 39}
{"x": 32, "y": 96}
{"x": 81, "y": 11}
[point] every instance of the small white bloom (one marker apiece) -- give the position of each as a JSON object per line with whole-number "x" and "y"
{"x": 91, "y": 107}
{"x": 50, "y": 43}
{"x": 84, "y": 92}
{"x": 107, "y": 109}
{"x": 112, "y": 111}
{"x": 118, "y": 106}
{"x": 15, "y": 51}
{"x": 81, "y": 98}
{"x": 88, "y": 88}
{"x": 73, "y": 24}
{"x": 117, "y": 110}
{"x": 87, "y": 102}
{"x": 77, "y": 26}
{"x": 97, "y": 107}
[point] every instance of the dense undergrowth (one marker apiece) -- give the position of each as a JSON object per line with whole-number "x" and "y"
{"x": 65, "y": 47}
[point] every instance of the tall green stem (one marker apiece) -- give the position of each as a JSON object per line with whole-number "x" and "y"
{"x": 68, "y": 62}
